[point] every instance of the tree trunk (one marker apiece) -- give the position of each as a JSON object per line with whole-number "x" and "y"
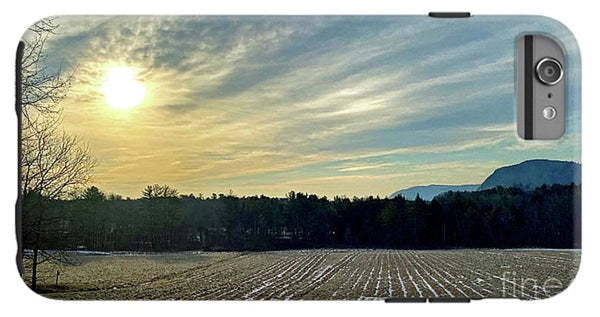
{"x": 34, "y": 270}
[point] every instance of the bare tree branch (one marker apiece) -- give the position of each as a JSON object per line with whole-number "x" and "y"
{"x": 53, "y": 163}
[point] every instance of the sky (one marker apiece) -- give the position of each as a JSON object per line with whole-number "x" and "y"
{"x": 350, "y": 106}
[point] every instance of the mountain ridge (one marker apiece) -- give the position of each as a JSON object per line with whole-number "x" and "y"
{"x": 534, "y": 173}
{"x": 526, "y": 175}
{"x": 428, "y": 192}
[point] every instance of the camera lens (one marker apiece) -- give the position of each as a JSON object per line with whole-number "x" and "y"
{"x": 549, "y": 71}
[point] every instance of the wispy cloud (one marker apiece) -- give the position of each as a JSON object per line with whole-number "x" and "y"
{"x": 365, "y": 167}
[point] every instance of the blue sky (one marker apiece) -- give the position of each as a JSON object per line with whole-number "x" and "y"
{"x": 327, "y": 105}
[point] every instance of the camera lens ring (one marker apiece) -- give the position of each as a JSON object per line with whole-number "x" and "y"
{"x": 541, "y": 76}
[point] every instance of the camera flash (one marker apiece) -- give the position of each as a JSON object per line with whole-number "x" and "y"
{"x": 549, "y": 113}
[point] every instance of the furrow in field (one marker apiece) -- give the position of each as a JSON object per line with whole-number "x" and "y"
{"x": 488, "y": 276}
{"x": 322, "y": 277}
{"x": 369, "y": 278}
{"x": 421, "y": 278}
{"x": 420, "y": 262}
{"x": 227, "y": 280}
{"x": 281, "y": 286}
{"x": 424, "y": 262}
{"x": 265, "y": 279}
{"x": 462, "y": 267}
{"x": 298, "y": 275}
{"x": 345, "y": 283}
{"x": 395, "y": 264}
{"x": 446, "y": 268}
{"x": 264, "y": 283}
{"x": 411, "y": 279}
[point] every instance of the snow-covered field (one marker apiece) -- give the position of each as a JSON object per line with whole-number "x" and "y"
{"x": 316, "y": 274}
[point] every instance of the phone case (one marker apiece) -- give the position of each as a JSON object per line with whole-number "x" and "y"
{"x": 290, "y": 158}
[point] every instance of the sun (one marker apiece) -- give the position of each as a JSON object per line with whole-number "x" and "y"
{"x": 121, "y": 89}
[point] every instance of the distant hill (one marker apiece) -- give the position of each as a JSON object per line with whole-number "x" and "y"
{"x": 430, "y": 191}
{"x": 534, "y": 173}
{"x": 526, "y": 175}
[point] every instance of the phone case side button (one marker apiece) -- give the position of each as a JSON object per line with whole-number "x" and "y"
{"x": 449, "y": 300}
{"x": 405, "y": 300}
{"x": 450, "y": 14}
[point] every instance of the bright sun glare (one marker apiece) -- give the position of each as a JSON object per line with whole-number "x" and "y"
{"x": 121, "y": 89}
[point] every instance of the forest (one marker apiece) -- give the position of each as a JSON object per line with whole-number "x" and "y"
{"x": 164, "y": 220}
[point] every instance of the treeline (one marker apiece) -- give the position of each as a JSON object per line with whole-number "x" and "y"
{"x": 163, "y": 220}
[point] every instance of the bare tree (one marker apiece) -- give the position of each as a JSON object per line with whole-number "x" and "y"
{"x": 158, "y": 191}
{"x": 42, "y": 90}
{"x": 52, "y": 163}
